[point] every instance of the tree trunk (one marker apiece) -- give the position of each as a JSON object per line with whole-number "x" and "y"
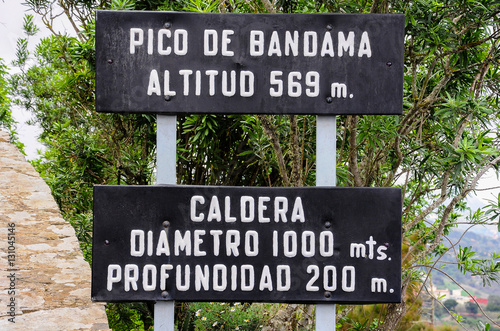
{"x": 393, "y": 317}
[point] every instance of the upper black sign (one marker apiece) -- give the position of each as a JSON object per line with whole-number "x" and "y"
{"x": 170, "y": 62}
{"x": 205, "y": 243}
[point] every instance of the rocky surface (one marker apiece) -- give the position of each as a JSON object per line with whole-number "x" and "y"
{"x": 44, "y": 279}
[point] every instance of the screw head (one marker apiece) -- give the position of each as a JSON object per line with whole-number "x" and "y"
{"x": 167, "y": 25}
{"x": 328, "y": 225}
{"x": 166, "y": 224}
{"x": 164, "y": 294}
{"x": 110, "y": 61}
{"x": 168, "y": 98}
{"x": 328, "y": 295}
{"x": 106, "y": 242}
{"x": 329, "y": 99}
{"x": 389, "y": 63}
{"x": 329, "y": 27}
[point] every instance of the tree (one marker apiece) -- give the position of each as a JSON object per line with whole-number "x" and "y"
{"x": 450, "y": 304}
{"x": 493, "y": 303}
{"x": 471, "y": 307}
{"x": 5, "y": 113}
{"x": 7, "y": 122}
{"x": 437, "y": 151}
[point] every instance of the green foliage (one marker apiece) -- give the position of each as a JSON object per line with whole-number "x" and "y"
{"x": 6, "y": 119}
{"x": 129, "y": 316}
{"x": 493, "y": 211}
{"x": 226, "y": 316}
{"x": 487, "y": 269}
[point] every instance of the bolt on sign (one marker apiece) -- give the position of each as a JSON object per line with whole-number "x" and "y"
{"x": 208, "y": 243}
{"x": 170, "y": 62}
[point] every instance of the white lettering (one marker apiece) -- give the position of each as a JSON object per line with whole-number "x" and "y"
{"x": 280, "y": 209}
{"x": 150, "y": 41}
{"x": 247, "y": 90}
{"x": 326, "y": 277}
{"x": 180, "y": 38}
{"x": 247, "y": 204}
{"x": 364, "y": 45}
{"x": 251, "y": 277}
{"x": 310, "y": 43}
{"x": 292, "y": 44}
{"x": 379, "y": 285}
{"x": 136, "y": 243}
{"x": 149, "y": 277}
{"x": 275, "y": 79}
{"x": 266, "y": 281}
{"x": 222, "y": 284}
{"x": 178, "y": 278}
{"x": 154, "y": 83}
{"x": 310, "y": 287}
{"x": 182, "y": 243}
{"x": 211, "y": 81}
{"x": 280, "y": 285}
{"x": 216, "y": 238}
{"x": 232, "y": 242}
{"x": 114, "y": 275}
{"x": 308, "y": 245}
{"x": 274, "y": 45}
{"x": 381, "y": 255}
{"x": 294, "y": 87}
{"x": 225, "y": 42}
{"x": 214, "y": 210}
{"x": 251, "y": 243}
{"x": 196, "y": 199}
{"x": 210, "y": 43}
{"x": 326, "y": 243}
{"x": 163, "y": 246}
{"x": 261, "y": 208}
{"x": 327, "y": 46}
{"x": 197, "y": 241}
{"x": 161, "y": 34}
{"x": 290, "y": 243}
{"x": 345, "y": 44}
{"x": 352, "y": 277}
{"x": 186, "y": 73}
{"x": 166, "y": 84}
{"x": 201, "y": 278}
{"x": 131, "y": 276}
{"x": 256, "y": 43}
{"x": 136, "y": 38}
{"x": 164, "y": 275}
{"x": 229, "y": 90}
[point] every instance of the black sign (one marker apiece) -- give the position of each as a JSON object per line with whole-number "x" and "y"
{"x": 205, "y": 243}
{"x": 170, "y": 62}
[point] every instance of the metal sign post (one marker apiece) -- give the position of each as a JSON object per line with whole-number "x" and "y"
{"x": 166, "y": 137}
{"x": 326, "y": 173}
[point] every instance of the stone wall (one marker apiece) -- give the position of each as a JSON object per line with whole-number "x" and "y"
{"x": 44, "y": 280}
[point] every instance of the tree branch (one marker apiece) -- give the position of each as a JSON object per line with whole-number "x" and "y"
{"x": 353, "y": 151}
{"x": 270, "y": 131}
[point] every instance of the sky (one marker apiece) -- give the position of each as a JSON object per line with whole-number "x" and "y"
{"x": 11, "y": 29}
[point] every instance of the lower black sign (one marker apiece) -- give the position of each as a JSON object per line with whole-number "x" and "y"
{"x": 205, "y": 243}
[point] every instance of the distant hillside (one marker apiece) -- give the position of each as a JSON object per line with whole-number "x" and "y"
{"x": 483, "y": 245}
